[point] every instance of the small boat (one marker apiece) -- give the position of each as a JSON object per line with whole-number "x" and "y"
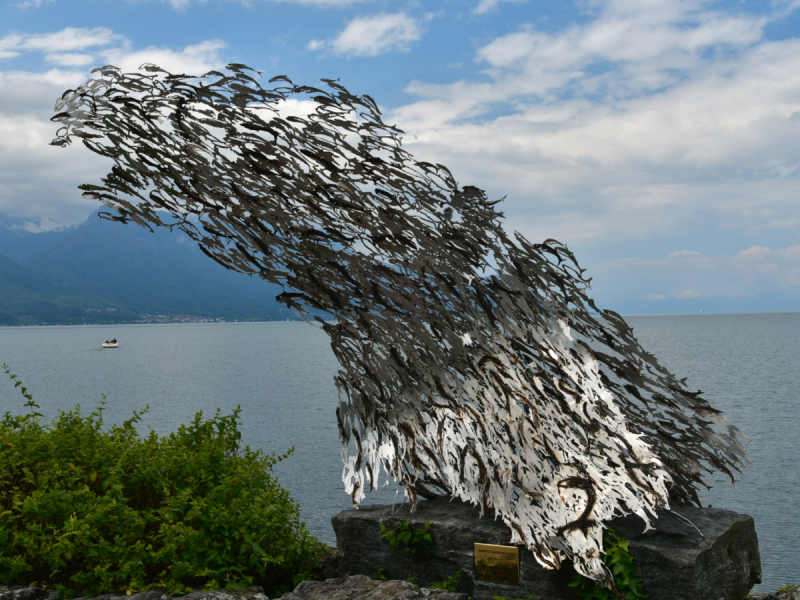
{"x": 111, "y": 344}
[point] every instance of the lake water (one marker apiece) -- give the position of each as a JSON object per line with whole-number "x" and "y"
{"x": 282, "y": 376}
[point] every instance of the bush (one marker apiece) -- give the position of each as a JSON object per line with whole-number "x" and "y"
{"x": 91, "y": 511}
{"x": 618, "y": 559}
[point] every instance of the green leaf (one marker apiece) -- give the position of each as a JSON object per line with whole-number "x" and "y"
{"x": 617, "y": 557}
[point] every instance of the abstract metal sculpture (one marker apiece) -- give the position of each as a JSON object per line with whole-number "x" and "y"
{"x": 472, "y": 364}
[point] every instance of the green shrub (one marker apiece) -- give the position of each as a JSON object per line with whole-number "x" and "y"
{"x": 448, "y": 585}
{"x": 618, "y": 559}
{"x": 414, "y": 539}
{"x": 92, "y": 511}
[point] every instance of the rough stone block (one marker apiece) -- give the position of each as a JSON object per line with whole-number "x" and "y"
{"x": 786, "y": 593}
{"x": 18, "y": 592}
{"x": 674, "y": 562}
{"x": 358, "y": 587}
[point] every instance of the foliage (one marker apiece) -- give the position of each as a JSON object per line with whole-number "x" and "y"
{"x": 379, "y": 574}
{"x": 448, "y": 585}
{"x": 414, "y": 539}
{"x": 92, "y": 511}
{"x": 618, "y": 559}
{"x": 785, "y": 588}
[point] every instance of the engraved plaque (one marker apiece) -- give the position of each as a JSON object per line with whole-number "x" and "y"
{"x": 498, "y": 564}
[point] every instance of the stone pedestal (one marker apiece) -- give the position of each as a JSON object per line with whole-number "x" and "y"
{"x": 674, "y": 562}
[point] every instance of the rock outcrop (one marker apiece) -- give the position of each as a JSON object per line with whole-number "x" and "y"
{"x": 36, "y": 593}
{"x": 361, "y": 587}
{"x": 787, "y": 593}
{"x": 357, "y": 587}
{"x": 17, "y": 592}
{"x": 674, "y": 562}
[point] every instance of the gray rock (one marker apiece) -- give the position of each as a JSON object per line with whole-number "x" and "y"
{"x": 674, "y": 562}
{"x": 115, "y": 596}
{"x": 150, "y": 595}
{"x": 329, "y": 565}
{"x": 251, "y": 593}
{"x": 792, "y": 593}
{"x": 360, "y": 587}
{"x": 17, "y": 592}
{"x": 456, "y": 527}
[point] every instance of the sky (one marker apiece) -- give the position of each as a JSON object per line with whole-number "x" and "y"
{"x": 658, "y": 139}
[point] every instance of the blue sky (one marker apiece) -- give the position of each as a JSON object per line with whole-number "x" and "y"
{"x": 659, "y": 139}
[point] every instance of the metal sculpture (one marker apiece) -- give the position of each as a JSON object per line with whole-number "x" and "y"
{"x": 472, "y": 363}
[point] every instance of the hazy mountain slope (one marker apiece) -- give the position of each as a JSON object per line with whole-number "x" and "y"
{"x": 19, "y": 244}
{"x": 27, "y": 296}
{"x": 156, "y": 273}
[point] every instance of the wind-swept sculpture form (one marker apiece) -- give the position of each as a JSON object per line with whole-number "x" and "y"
{"x": 472, "y": 363}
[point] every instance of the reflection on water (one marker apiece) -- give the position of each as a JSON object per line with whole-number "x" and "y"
{"x": 282, "y": 376}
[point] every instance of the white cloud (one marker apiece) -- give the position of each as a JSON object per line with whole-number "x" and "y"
{"x": 754, "y": 271}
{"x": 195, "y": 59}
{"x": 178, "y": 4}
{"x": 34, "y": 94}
{"x": 684, "y": 253}
{"x": 33, "y": 3}
{"x": 67, "y": 40}
{"x": 40, "y": 180}
{"x": 70, "y": 59}
{"x": 373, "y": 35}
{"x": 37, "y": 179}
{"x": 322, "y": 3}
{"x": 782, "y": 266}
{"x": 60, "y": 47}
{"x": 181, "y": 4}
{"x": 636, "y": 46}
{"x": 485, "y": 6}
{"x": 647, "y": 120}
{"x": 9, "y": 45}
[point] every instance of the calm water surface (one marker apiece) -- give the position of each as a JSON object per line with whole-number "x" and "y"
{"x": 282, "y": 376}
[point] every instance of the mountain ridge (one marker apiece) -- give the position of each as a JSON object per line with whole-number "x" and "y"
{"x": 104, "y": 271}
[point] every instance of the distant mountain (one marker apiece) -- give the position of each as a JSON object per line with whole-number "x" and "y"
{"x": 103, "y": 265}
{"x": 27, "y": 297}
{"x": 20, "y": 240}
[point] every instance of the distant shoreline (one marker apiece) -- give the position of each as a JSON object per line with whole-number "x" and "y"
{"x": 136, "y": 323}
{"x": 196, "y": 320}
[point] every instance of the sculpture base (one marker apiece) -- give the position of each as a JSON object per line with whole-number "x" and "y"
{"x": 674, "y": 562}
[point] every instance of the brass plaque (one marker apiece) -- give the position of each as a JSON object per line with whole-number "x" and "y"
{"x": 498, "y": 564}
